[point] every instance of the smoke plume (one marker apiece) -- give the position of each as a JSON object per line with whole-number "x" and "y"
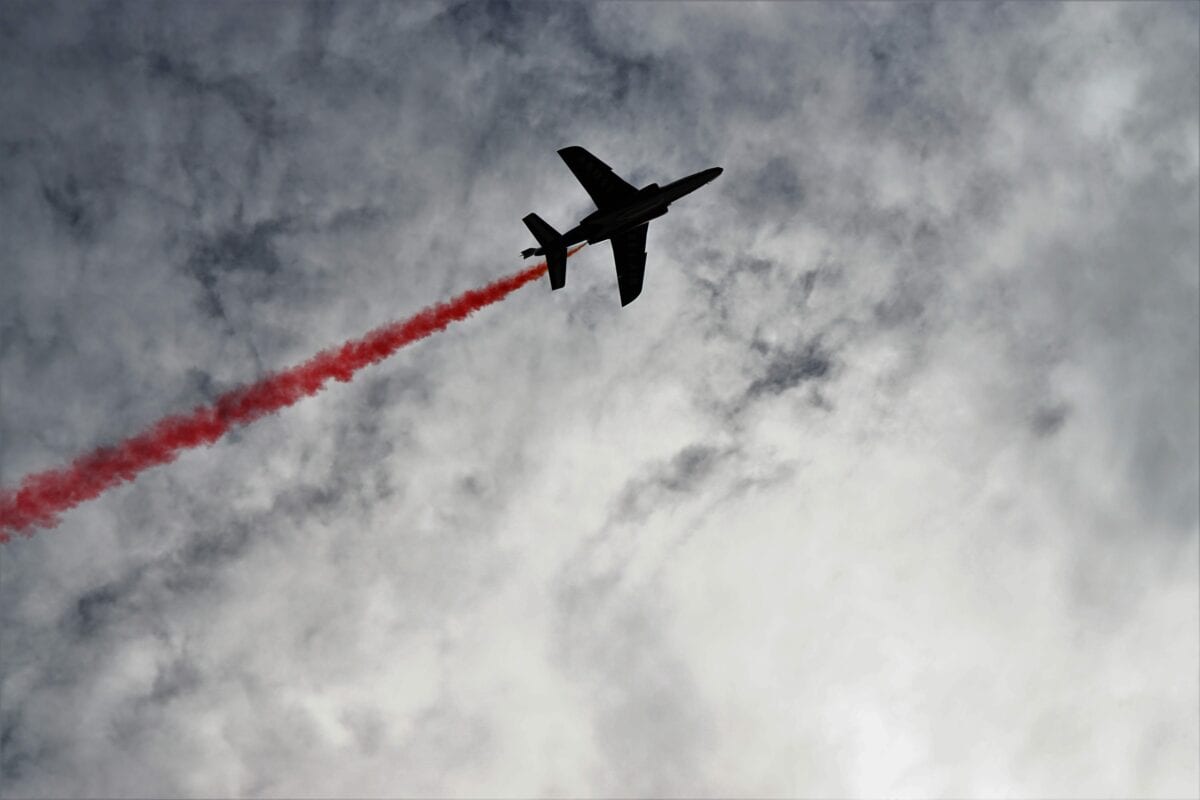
{"x": 41, "y": 497}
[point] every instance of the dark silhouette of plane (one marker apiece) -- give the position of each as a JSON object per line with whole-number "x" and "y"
{"x": 622, "y": 215}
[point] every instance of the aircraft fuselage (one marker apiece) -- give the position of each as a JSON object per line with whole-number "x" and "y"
{"x": 651, "y": 202}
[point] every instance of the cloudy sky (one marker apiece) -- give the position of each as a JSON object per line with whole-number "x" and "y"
{"x": 886, "y": 485}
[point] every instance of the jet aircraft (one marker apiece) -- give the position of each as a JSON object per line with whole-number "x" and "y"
{"x": 622, "y": 214}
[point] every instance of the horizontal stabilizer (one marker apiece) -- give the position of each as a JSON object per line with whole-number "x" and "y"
{"x": 553, "y": 246}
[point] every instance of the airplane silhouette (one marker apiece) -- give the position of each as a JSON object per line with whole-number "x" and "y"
{"x": 622, "y": 215}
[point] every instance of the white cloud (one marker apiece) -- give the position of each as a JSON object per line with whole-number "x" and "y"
{"x": 886, "y": 485}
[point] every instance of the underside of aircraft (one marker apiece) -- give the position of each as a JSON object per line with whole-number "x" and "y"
{"x": 622, "y": 215}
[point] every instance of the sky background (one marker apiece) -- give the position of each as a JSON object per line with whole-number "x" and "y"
{"x": 886, "y": 485}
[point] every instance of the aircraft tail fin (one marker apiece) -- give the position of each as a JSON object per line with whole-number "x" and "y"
{"x": 552, "y": 245}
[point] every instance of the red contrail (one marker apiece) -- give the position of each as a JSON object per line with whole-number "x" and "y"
{"x": 41, "y": 497}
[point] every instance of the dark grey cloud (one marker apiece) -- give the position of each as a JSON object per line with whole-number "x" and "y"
{"x": 1047, "y": 420}
{"x": 789, "y": 370}
{"x": 895, "y": 456}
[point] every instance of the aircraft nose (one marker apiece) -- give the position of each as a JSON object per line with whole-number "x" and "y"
{"x": 714, "y": 172}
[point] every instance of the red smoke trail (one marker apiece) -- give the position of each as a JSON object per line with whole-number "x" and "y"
{"x": 43, "y": 496}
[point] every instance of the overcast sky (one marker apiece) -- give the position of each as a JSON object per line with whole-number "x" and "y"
{"x": 886, "y": 485}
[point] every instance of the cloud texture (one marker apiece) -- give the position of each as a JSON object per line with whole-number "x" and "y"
{"x": 887, "y": 484}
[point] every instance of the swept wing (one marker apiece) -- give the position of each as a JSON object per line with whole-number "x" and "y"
{"x": 605, "y": 187}
{"x": 629, "y": 253}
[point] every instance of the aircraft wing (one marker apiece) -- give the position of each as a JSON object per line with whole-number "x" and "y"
{"x": 629, "y": 251}
{"x": 606, "y": 189}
